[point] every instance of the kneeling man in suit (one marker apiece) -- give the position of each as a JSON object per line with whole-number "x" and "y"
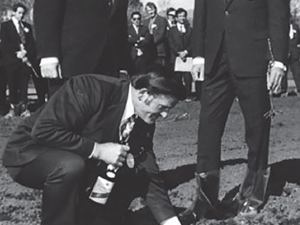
{"x": 60, "y": 147}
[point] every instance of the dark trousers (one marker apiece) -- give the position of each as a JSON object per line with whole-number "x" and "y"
{"x": 66, "y": 180}
{"x": 58, "y": 174}
{"x": 187, "y": 79}
{"x": 17, "y": 78}
{"x": 219, "y": 90}
{"x": 3, "y": 84}
{"x": 41, "y": 87}
{"x": 294, "y": 66}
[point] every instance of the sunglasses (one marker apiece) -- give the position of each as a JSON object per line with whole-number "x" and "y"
{"x": 136, "y": 18}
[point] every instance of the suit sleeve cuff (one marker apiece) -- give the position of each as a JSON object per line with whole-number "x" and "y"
{"x": 94, "y": 148}
{"x": 171, "y": 221}
{"x": 279, "y": 65}
{"x": 198, "y": 60}
{"x": 49, "y": 60}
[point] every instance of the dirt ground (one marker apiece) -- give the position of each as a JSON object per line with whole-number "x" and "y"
{"x": 175, "y": 147}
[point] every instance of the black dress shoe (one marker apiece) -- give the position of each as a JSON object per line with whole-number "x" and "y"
{"x": 187, "y": 218}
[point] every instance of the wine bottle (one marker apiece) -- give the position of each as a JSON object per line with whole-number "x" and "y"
{"x": 104, "y": 183}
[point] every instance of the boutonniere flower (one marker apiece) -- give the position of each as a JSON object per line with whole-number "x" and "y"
{"x": 153, "y": 26}
{"x": 26, "y": 29}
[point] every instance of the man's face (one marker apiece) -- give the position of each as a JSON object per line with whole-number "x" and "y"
{"x": 171, "y": 18}
{"x": 181, "y": 17}
{"x": 136, "y": 20}
{"x": 19, "y": 13}
{"x": 150, "y": 107}
{"x": 150, "y": 11}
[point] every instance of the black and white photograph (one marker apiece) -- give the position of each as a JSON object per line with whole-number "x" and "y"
{"x": 149, "y": 112}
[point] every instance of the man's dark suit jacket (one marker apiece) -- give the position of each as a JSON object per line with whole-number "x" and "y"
{"x": 10, "y": 41}
{"x": 159, "y": 34}
{"x": 88, "y": 109}
{"x": 79, "y": 32}
{"x": 179, "y": 41}
{"x": 246, "y": 25}
{"x": 147, "y": 45}
{"x": 294, "y": 48}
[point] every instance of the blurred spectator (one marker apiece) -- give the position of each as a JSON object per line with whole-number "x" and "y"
{"x": 293, "y": 62}
{"x": 142, "y": 48}
{"x": 180, "y": 44}
{"x": 18, "y": 50}
{"x": 157, "y": 26}
{"x": 171, "y": 17}
{"x": 80, "y": 37}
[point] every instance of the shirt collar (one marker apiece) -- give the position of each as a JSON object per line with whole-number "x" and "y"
{"x": 15, "y": 21}
{"x": 129, "y": 108}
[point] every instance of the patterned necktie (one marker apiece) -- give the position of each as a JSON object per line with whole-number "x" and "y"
{"x": 22, "y": 33}
{"x": 126, "y": 128}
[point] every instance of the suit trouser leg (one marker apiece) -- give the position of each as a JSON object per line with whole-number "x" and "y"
{"x": 187, "y": 79}
{"x": 254, "y": 101}
{"x": 12, "y": 73}
{"x": 3, "y": 83}
{"x": 58, "y": 174}
{"x": 295, "y": 68}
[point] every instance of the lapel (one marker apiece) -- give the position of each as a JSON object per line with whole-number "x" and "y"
{"x": 114, "y": 7}
{"x": 13, "y": 28}
{"x": 227, "y": 4}
{"x": 133, "y": 33}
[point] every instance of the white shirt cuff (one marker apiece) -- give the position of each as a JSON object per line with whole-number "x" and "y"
{"x": 279, "y": 65}
{"x": 91, "y": 155}
{"x": 49, "y": 60}
{"x": 198, "y": 60}
{"x": 171, "y": 221}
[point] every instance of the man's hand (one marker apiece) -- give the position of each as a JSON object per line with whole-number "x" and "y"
{"x": 275, "y": 78}
{"x": 21, "y": 54}
{"x": 198, "y": 72}
{"x": 51, "y": 70}
{"x": 111, "y": 153}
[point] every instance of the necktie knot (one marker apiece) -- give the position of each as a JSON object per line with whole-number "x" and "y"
{"x": 22, "y": 33}
{"x": 126, "y": 128}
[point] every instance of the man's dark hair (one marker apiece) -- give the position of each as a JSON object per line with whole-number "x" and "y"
{"x": 19, "y": 5}
{"x": 181, "y": 10}
{"x": 136, "y": 13}
{"x": 151, "y": 5}
{"x": 171, "y": 9}
{"x": 159, "y": 80}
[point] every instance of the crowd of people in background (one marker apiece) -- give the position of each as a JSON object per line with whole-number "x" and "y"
{"x": 152, "y": 38}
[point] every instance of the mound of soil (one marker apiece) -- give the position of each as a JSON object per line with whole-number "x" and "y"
{"x": 175, "y": 147}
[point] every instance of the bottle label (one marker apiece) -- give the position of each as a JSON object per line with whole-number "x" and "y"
{"x": 101, "y": 190}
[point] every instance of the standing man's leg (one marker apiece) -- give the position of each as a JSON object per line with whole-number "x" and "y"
{"x": 23, "y": 80}
{"x": 255, "y": 103}
{"x": 295, "y": 69}
{"x": 12, "y": 72}
{"x": 3, "y": 84}
{"x": 218, "y": 93}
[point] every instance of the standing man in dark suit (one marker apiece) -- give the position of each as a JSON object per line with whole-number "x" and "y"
{"x": 143, "y": 52}
{"x": 157, "y": 26}
{"x": 79, "y": 37}
{"x": 18, "y": 48}
{"x": 179, "y": 39}
{"x": 80, "y": 127}
{"x": 293, "y": 60}
{"x": 171, "y": 12}
{"x": 230, "y": 45}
